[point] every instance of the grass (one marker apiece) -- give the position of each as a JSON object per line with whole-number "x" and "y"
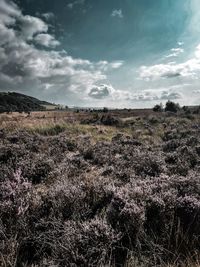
{"x": 50, "y": 107}
{"x": 135, "y": 262}
{"x": 97, "y": 133}
{"x": 148, "y": 129}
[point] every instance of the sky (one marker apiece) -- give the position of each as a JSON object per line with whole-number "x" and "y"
{"x": 97, "y": 53}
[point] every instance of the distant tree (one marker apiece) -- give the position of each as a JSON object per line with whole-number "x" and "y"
{"x": 105, "y": 110}
{"x": 158, "y": 108}
{"x": 197, "y": 110}
{"x": 186, "y": 110}
{"x": 172, "y": 107}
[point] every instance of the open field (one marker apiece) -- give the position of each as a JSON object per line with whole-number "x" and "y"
{"x": 50, "y": 107}
{"x": 99, "y": 189}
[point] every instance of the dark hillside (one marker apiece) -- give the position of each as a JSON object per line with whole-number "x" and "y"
{"x": 11, "y": 102}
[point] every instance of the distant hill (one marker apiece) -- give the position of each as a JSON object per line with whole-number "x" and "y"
{"x": 11, "y": 102}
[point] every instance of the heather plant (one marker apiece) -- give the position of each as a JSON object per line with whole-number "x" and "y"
{"x": 37, "y": 170}
{"x": 15, "y": 194}
{"x": 148, "y": 164}
{"x": 73, "y": 243}
{"x": 108, "y": 119}
{"x": 91, "y": 243}
{"x": 10, "y": 153}
{"x": 171, "y": 145}
{"x": 70, "y": 201}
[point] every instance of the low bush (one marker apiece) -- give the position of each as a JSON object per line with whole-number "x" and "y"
{"x": 72, "y": 202}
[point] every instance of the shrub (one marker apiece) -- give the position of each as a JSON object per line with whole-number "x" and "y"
{"x": 15, "y": 194}
{"x": 158, "y": 108}
{"x": 88, "y": 204}
{"x": 172, "y": 107}
{"x": 109, "y": 120}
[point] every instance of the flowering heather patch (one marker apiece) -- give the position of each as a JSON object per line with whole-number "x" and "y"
{"x": 68, "y": 201}
{"x": 15, "y": 194}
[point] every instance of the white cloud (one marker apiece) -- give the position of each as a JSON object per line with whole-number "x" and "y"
{"x": 58, "y": 76}
{"x": 189, "y": 68}
{"x": 196, "y": 91}
{"x": 46, "y": 40}
{"x": 175, "y": 52}
{"x": 105, "y": 91}
{"x": 116, "y": 64}
{"x": 159, "y": 71}
{"x": 180, "y": 43}
{"x": 117, "y": 13}
{"x": 77, "y": 2}
{"x": 100, "y": 91}
{"x": 39, "y": 72}
{"x": 8, "y": 12}
{"x": 32, "y": 25}
{"x": 48, "y": 16}
{"x": 167, "y": 95}
{"x": 6, "y": 35}
{"x": 157, "y": 95}
{"x": 107, "y": 66}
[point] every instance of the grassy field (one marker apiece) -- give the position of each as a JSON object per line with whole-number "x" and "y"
{"x": 50, "y": 107}
{"x": 99, "y": 189}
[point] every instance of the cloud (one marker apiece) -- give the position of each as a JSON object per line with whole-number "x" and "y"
{"x": 117, "y": 13}
{"x": 159, "y": 71}
{"x": 44, "y": 73}
{"x": 167, "y": 95}
{"x": 48, "y": 16}
{"x": 140, "y": 96}
{"x": 180, "y": 43}
{"x": 32, "y": 25}
{"x": 100, "y": 91}
{"x": 77, "y": 2}
{"x": 175, "y": 52}
{"x": 188, "y": 69}
{"x": 116, "y": 64}
{"x": 196, "y": 91}
{"x": 46, "y": 40}
{"x": 104, "y": 91}
{"x": 8, "y": 12}
{"x": 108, "y": 66}
{"x": 6, "y": 35}
{"x": 156, "y": 95}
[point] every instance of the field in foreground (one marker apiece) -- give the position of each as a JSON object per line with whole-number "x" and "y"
{"x": 99, "y": 189}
